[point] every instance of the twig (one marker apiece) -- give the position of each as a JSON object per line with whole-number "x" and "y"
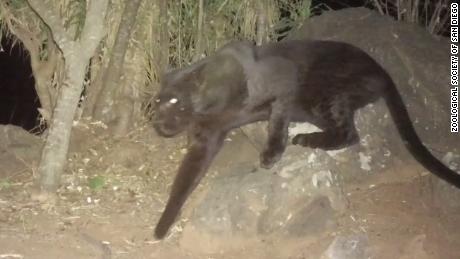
{"x": 11, "y": 256}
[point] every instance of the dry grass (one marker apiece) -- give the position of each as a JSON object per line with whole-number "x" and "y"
{"x": 434, "y": 15}
{"x": 223, "y": 21}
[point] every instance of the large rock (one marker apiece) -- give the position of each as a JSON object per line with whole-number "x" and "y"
{"x": 19, "y": 150}
{"x": 299, "y": 201}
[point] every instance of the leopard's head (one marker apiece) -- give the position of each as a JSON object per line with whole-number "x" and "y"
{"x": 206, "y": 87}
{"x": 173, "y": 111}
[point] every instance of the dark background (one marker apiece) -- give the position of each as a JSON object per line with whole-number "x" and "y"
{"x": 18, "y": 99}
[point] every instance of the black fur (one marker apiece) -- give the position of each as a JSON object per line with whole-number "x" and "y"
{"x": 321, "y": 82}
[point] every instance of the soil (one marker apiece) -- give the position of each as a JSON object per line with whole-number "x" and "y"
{"x": 113, "y": 192}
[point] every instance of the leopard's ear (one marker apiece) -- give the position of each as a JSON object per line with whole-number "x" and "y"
{"x": 191, "y": 72}
{"x": 218, "y": 84}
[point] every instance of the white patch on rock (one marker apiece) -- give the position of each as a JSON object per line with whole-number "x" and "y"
{"x": 302, "y": 128}
{"x": 322, "y": 178}
{"x": 334, "y": 153}
{"x": 364, "y": 161}
{"x": 347, "y": 247}
{"x": 386, "y": 153}
{"x": 450, "y": 160}
{"x": 364, "y": 141}
{"x": 311, "y": 158}
{"x": 286, "y": 171}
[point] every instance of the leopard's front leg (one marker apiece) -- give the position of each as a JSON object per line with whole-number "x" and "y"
{"x": 278, "y": 124}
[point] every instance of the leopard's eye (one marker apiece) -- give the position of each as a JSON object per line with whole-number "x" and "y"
{"x": 173, "y": 100}
{"x": 157, "y": 100}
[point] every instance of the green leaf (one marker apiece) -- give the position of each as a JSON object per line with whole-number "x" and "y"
{"x": 96, "y": 183}
{"x": 4, "y": 184}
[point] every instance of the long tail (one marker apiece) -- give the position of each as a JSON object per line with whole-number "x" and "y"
{"x": 191, "y": 170}
{"x": 411, "y": 140}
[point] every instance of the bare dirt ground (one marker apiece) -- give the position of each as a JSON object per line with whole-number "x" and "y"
{"x": 113, "y": 192}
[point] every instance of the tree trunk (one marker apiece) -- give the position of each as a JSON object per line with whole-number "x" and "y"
{"x": 54, "y": 153}
{"x": 128, "y": 99}
{"x": 164, "y": 36}
{"x": 98, "y": 68}
{"x": 108, "y": 93}
{"x": 43, "y": 74}
{"x": 199, "y": 33}
{"x": 76, "y": 55}
{"x": 261, "y": 34}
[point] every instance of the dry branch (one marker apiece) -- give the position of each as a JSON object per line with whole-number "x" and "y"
{"x": 94, "y": 29}
{"x": 45, "y": 10}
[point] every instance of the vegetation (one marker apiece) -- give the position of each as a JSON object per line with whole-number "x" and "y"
{"x": 434, "y": 15}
